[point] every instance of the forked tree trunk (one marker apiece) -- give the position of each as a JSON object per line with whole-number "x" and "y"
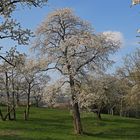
{"x": 4, "y": 117}
{"x": 111, "y": 111}
{"x": 76, "y": 113}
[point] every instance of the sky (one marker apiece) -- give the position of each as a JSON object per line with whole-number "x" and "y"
{"x": 104, "y": 15}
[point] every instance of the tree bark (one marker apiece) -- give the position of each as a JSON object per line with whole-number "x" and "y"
{"x": 27, "y": 110}
{"x": 13, "y": 97}
{"x": 76, "y": 113}
{"x": 26, "y": 113}
{"x": 121, "y": 108}
{"x": 7, "y": 114}
{"x": 25, "y": 116}
{"x": 17, "y": 97}
{"x": 99, "y": 115}
{"x": 7, "y": 93}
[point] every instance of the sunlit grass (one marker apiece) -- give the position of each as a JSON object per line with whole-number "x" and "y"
{"x": 54, "y": 124}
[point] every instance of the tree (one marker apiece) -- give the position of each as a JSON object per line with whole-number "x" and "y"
{"x": 8, "y": 80}
{"x": 32, "y": 80}
{"x": 21, "y": 83}
{"x": 99, "y": 93}
{"x": 9, "y": 27}
{"x": 129, "y": 76}
{"x": 38, "y": 90}
{"x": 131, "y": 73}
{"x": 134, "y": 2}
{"x": 72, "y": 48}
{"x": 51, "y": 93}
{"x": 8, "y": 7}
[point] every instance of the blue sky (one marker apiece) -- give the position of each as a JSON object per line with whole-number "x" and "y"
{"x": 104, "y": 15}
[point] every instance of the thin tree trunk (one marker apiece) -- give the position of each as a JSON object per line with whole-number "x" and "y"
{"x": 37, "y": 103}
{"x": 26, "y": 113}
{"x": 17, "y": 97}
{"x": 27, "y": 110}
{"x": 8, "y": 96}
{"x": 98, "y": 113}
{"x": 2, "y": 117}
{"x": 25, "y": 116}
{"x": 14, "y": 113}
{"x": 13, "y": 97}
{"x": 112, "y": 111}
{"x": 109, "y": 111}
{"x": 121, "y": 108}
{"x": 136, "y": 112}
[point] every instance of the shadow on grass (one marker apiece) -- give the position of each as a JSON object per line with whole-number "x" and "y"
{"x": 123, "y": 133}
{"x": 113, "y": 128}
{"x": 121, "y": 120}
{"x": 111, "y": 135}
{"x": 24, "y": 138}
{"x": 42, "y": 126}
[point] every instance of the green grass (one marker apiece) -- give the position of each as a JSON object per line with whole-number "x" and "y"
{"x": 54, "y": 124}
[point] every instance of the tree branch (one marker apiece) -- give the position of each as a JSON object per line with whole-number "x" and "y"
{"x": 7, "y": 61}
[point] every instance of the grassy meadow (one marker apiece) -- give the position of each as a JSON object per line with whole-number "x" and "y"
{"x": 55, "y": 124}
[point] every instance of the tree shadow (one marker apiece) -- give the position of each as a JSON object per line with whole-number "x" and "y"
{"x": 118, "y": 133}
{"x": 16, "y": 137}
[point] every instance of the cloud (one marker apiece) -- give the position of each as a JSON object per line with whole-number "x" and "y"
{"x": 115, "y": 36}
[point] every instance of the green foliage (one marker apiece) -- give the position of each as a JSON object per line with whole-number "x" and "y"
{"x": 54, "y": 124}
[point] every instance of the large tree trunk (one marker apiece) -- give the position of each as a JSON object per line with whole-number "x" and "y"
{"x": 77, "y": 119}
{"x": 76, "y": 113}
